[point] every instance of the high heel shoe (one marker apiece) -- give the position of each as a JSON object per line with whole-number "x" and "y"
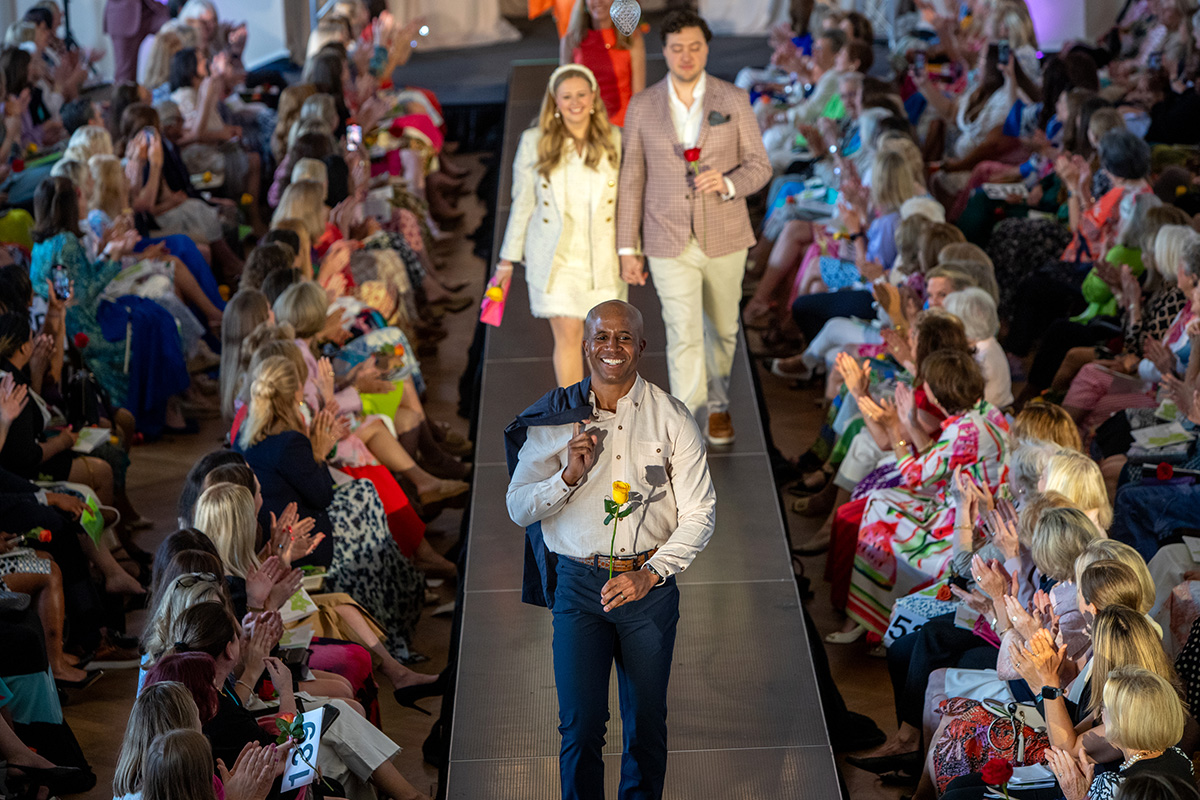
{"x": 845, "y": 637}
{"x": 907, "y": 762}
{"x": 407, "y": 696}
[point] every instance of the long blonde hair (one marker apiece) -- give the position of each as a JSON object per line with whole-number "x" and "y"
{"x": 1124, "y": 637}
{"x": 579, "y": 25}
{"x": 178, "y": 766}
{"x": 304, "y": 201}
{"x": 892, "y": 181}
{"x": 161, "y": 707}
{"x": 110, "y": 189}
{"x": 273, "y": 407}
{"x": 597, "y": 143}
{"x": 225, "y": 514}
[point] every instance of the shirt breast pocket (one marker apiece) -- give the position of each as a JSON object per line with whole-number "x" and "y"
{"x": 653, "y": 460}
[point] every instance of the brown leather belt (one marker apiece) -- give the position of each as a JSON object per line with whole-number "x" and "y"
{"x": 619, "y": 563}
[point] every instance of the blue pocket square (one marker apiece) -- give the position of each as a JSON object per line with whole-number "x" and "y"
{"x": 717, "y": 118}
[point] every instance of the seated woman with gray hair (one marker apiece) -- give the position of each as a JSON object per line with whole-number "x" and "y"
{"x": 977, "y": 310}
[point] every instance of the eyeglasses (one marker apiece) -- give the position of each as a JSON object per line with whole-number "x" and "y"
{"x": 191, "y": 579}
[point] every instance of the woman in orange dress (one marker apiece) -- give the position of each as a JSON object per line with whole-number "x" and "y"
{"x": 617, "y": 61}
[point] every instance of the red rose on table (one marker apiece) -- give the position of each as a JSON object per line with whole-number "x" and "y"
{"x": 996, "y": 772}
{"x": 944, "y": 594}
{"x": 44, "y": 535}
{"x": 81, "y": 340}
{"x": 1164, "y": 472}
{"x": 691, "y": 155}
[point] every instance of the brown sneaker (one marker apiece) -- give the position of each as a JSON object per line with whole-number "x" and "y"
{"x": 720, "y": 429}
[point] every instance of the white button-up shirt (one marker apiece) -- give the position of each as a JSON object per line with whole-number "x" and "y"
{"x": 688, "y": 119}
{"x": 652, "y": 443}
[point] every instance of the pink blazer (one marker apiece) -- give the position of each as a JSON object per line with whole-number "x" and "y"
{"x": 656, "y": 209}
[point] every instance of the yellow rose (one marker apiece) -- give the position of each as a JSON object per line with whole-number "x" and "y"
{"x": 33, "y": 148}
{"x": 495, "y": 294}
{"x": 207, "y": 176}
{"x": 620, "y": 492}
{"x": 247, "y": 199}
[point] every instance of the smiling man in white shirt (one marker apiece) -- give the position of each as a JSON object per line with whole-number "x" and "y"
{"x": 637, "y": 434}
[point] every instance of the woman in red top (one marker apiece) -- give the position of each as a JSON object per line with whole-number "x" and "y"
{"x": 618, "y": 62}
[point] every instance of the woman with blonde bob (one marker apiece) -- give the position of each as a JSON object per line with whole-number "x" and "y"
{"x": 1079, "y": 478}
{"x": 562, "y": 223}
{"x": 1144, "y": 719}
{"x": 160, "y": 708}
{"x": 289, "y": 459}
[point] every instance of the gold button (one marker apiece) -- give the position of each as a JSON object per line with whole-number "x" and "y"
{"x": 547, "y": 186}
{"x": 659, "y": 450}
{"x": 608, "y": 219}
{"x": 611, "y": 183}
{"x": 618, "y": 458}
{"x": 545, "y": 202}
{"x": 610, "y": 202}
{"x": 619, "y": 428}
{"x": 545, "y": 220}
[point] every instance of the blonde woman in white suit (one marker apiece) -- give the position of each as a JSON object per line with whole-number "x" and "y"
{"x": 562, "y": 223}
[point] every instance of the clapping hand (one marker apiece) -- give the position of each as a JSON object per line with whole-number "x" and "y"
{"x": 906, "y": 403}
{"x": 976, "y": 600}
{"x": 581, "y": 453}
{"x": 1026, "y": 623}
{"x": 281, "y": 676}
{"x": 883, "y": 413}
{"x": 856, "y": 378}
{"x": 288, "y": 584}
{"x": 1160, "y": 355}
{"x": 260, "y": 580}
{"x": 12, "y": 399}
{"x": 253, "y": 773}
{"x": 291, "y": 536}
{"x": 1001, "y": 525}
{"x": 1131, "y": 290}
{"x": 324, "y": 381}
{"x": 897, "y": 345}
{"x": 991, "y": 577}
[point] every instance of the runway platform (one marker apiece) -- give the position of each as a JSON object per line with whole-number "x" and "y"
{"x": 744, "y": 717}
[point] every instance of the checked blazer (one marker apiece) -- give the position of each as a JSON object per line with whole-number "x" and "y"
{"x": 657, "y": 210}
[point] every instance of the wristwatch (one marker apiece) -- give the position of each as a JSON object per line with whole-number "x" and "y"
{"x": 661, "y": 578}
{"x": 1049, "y": 693}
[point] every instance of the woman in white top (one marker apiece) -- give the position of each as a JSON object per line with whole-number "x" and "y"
{"x": 562, "y": 221}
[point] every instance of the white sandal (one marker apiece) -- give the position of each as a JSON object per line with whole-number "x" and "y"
{"x": 846, "y": 637}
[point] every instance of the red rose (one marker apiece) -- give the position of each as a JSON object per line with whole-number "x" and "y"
{"x": 289, "y": 718}
{"x": 996, "y": 772}
{"x": 1164, "y": 472}
{"x": 944, "y": 594}
{"x": 43, "y": 535}
{"x": 18, "y": 165}
{"x": 81, "y": 340}
{"x": 692, "y": 154}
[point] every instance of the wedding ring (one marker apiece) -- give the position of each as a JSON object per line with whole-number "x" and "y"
{"x": 622, "y": 595}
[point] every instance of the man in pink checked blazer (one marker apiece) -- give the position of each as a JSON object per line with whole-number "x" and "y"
{"x": 690, "y": 219}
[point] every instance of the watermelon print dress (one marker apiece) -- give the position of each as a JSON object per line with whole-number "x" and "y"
{"x": 907, "y": 531}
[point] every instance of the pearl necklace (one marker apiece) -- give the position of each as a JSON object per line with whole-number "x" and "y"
{"x": 1136, "y": 757}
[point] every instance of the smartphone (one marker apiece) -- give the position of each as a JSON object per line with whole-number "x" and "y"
{"x": 62, "y": 282}
{"x": 1004, "y": 51}
{"x": 354, "y": 137}
{"x": 919, "y": 62}
{"x": 331, "y": 713}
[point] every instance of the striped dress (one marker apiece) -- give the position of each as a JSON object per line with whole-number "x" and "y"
{"x": 906, "y": 534}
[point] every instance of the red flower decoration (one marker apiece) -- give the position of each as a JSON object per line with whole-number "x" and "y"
{"x": 996, "y": 772}
{"x": 944, "y": 594}
{"x": 18, "y": 165}
{"x": 43, "y": 535}
{"x": 691, "y": 155}
{"x": 1164, "y": 472}
{"x": 289, "y": 718}
{"x": 81, "y": 340}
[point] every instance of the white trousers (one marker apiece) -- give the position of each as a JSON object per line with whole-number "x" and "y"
{"x": 836, "y": 335}
{"x": 700, "y": 299}
{"x": 351, "y": 750}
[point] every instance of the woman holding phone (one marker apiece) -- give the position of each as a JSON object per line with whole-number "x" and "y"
{"x": 562, "y": 223}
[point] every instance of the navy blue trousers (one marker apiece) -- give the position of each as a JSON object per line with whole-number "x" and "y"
{"x": 640, "y": 638}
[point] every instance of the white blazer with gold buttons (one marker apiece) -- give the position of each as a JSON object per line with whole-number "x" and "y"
{"x": 535, "y": 222}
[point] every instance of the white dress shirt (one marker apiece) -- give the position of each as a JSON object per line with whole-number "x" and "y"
{"x": 652, "y": 443}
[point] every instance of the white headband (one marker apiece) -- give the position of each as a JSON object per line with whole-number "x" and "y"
{"x": 587, "y": 73}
